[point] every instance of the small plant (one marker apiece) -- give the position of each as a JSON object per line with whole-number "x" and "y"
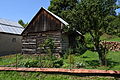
{"x": 67, "y": 53}
{"x": 28, "y": 63}
{"x": 58, "y": 63}
{"x": 79, "y": 64}
{"x": 48, "y": 47}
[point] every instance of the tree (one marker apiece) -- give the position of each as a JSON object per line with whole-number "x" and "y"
{"x": 92, "y": 16}
{"x": 61, "y": 7}
{"x": 114, "y": 26}
{"x": 22, "y": 23}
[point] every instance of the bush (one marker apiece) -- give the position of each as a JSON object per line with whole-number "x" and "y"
{"x": 71, "y": 59}
{"x": 79, "y": 64}
{"x": 28, "y": 63}
{"x": 67, "y": 53}
{"x": 32, "y": 63}
{"x": 58, "y": 63}
{"x": 47, "y": 64}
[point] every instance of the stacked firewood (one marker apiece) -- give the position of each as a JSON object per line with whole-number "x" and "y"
{"x": 112, "y": 46}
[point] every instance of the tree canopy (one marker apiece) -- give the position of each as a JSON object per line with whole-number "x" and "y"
{"x": 61, "y": 7}
{"x": 93, "y": 17}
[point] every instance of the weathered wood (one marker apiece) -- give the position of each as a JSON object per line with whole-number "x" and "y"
{"x": 113, "y": 46}
{"x": 43, "y": 26}
{"x": 60, "y": 70}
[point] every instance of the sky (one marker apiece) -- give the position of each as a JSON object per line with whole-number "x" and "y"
{"x": 15, "y": 10}
{"x": 22, "y": 9}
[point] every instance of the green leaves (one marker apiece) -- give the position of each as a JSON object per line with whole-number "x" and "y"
{"x": 62, "y": 7}
{"x": 22, "y": 23}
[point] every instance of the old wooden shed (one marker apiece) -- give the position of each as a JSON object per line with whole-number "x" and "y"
{"x": 10, "y": 37}
{"x": 43, "y": 25}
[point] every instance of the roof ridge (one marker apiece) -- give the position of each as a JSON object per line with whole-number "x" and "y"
{"x": 59, "y": 18}
{"x": 11, "y": 25}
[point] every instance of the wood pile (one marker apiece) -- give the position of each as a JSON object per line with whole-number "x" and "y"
{"x": 112, "y": 46}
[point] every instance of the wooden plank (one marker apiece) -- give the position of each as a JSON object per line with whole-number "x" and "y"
{"x": 28, "y": 43}
{"x": 60, "y": 70}
{"x": 29, "y": 50}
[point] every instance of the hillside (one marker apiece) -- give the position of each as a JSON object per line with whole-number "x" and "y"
{"x": 107, "y": 37}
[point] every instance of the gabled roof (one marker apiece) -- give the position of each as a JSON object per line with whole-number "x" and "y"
{"x": 60, "y": 19}
{"x": 7, "y": 26}
{"x": 55, "y": 16}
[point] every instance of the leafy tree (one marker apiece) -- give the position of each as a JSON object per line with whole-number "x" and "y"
{"x": 61, "y": 7}
{"x": 22, "y": 23}
{"x": 92, "y": 16}
{"x": 114, "y": 26}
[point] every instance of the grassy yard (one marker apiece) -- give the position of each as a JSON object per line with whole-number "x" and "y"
{"x": 107, "y": 37}
{"x": 89, "y": 60}
{"x": 12, "y": 75}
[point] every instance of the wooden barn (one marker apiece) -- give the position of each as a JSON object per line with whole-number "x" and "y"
{"x": 44, "y": 24}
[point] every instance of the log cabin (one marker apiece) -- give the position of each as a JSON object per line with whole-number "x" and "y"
{"x": 45, "y": 24}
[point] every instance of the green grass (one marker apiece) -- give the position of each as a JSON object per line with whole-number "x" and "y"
{"x": 7, "y": 60}
{"x": 107, "y": 37}
{"x": 12, "y": 75}
{"x": 89, "y": 60}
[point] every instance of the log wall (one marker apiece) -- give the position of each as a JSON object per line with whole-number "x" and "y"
{"x": 31, "y": 43}
{"x": 56, "y": 36}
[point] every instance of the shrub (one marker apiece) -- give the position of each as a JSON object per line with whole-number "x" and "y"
{"x": 67, "y": 53}
{"x": 79, "y": 64}
{"x": 28, "y": 63}
{"x": 58, "y": 63}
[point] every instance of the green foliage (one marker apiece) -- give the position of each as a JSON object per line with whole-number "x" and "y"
{"x": 80, "y": 47}
{"x": 114, "y": 26}
{"x": 61, "y": 7}
{"x": 12, "y": 75}
{"x": 58, "y": 63}
{"x": 79, "y": 65}
{"x": 48, "y": 46}
{"x": 107, "y": 37}
{"x": 68, "y": 52}
{"x": 28, "y": 63}
{"x": 22, "y": 23}
{"x": 92, "y": 17}
{"x": 71, "y": 59}
{"x": 47, "y": 64}
{"x": 88, "y": 60}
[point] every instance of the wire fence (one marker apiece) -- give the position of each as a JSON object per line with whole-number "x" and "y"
{"x": 33, "y": 60}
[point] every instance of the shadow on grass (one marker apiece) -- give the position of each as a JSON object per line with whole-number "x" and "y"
{"x": 111, "y": 63}
{"x": 93, "y": 63}
{"x": 96, "y": 63}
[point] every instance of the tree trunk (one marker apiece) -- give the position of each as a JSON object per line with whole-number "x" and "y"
{"x": 99, "y": 48}
{"x": 102, "y": 58}
{"x": 102, "y": 54}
